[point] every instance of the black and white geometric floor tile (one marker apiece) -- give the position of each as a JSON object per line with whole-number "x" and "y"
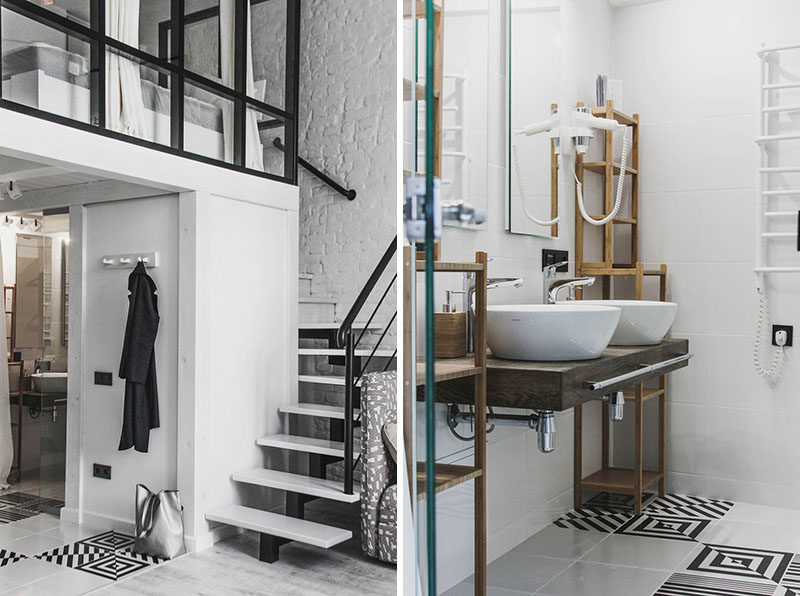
{"x": 791, "y": 579}
{"x": 592, "y": 519}
{"x": 616, "y": 502}
{"x": 743, "y": 562}
{"x": 682, "y": 584}
{"x": 117, "y": 564}
{"x": 15, "y": 506}
{"x": 108, "y": 555}
{"x": 687, "y": 506}
{"x": 73, "y": 555}
{"x": 12, "y": 514}
{"x": 670, "y": 527}
{"x": 109, "y": 541}
{"x": 7, "y": 557}
{"x": 17, "y": 498}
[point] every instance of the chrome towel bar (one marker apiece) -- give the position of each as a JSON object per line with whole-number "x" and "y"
{"x": 644, "y": 370}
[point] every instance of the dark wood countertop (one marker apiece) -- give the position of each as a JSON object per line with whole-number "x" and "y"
{"x": 559, "y": 385}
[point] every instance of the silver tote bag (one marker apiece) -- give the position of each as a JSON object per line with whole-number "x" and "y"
{"x": 159, "y": 524}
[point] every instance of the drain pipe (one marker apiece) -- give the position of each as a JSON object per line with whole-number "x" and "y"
{"x": 542, "y": 421}
{"x": 616, "y": 405}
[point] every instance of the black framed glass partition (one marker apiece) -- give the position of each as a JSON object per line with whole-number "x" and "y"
{"x": 213, "y": 80}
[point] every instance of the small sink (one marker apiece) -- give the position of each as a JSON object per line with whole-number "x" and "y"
{"x": 50, "y": 382}
{"x": 550, "y": 332}
{"x": 642, "y": 322}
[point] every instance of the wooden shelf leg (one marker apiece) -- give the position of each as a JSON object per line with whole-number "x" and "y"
{"x": 578, "y": 470}
{"x": 637, "y": 452}
{"x": 662, "y": 435}
{"x": 606, "y": 436}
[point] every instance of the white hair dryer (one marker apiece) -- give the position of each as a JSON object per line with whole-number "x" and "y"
{"x": 576, "y": 124}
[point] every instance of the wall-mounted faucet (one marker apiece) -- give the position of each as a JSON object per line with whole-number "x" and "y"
{"x": 549, "y": 273}
{"x": 570, "y": 284}
{"x": 469, "y": 300}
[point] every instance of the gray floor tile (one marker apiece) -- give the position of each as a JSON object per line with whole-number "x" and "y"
{"x": 563, "y": 543}
{"x": 594, "y": 579}
{"x": 636, "y": 551}
{"x": 523, "y": 573}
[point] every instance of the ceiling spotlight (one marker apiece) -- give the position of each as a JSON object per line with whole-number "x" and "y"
{"x": 11, "y": 190}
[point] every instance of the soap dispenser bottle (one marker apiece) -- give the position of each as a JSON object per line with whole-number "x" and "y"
{"x": 451, "y": 329}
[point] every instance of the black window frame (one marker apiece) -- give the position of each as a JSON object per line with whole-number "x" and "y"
{"x": 173, "y": 66}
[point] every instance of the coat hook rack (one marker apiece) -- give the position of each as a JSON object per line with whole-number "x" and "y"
{"x": 150, "y": 260}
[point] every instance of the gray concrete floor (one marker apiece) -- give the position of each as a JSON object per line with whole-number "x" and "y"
{"x": 232, "y": 567}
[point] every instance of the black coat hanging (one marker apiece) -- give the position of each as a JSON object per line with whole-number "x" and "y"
{"x": 138, "y": 365}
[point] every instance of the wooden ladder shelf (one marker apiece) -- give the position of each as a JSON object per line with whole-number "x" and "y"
{"x": 634, "y": 480}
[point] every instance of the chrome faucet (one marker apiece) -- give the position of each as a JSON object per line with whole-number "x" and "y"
{"x": 571, "y": 284}
{"x": 549, "y": 273}
{"x": 469, "y": 299}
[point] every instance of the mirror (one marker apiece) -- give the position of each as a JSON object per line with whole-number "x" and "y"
{"x": 534, "y": 30}
{"x": 463, "y": 99}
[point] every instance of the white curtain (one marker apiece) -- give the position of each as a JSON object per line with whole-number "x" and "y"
{"x": 254, "y": 151}
{"x": 6, "y": 441}
{"x": 124, "y": 104}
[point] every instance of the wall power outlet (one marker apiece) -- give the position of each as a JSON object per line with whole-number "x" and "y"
{"x": 101, "y": 471}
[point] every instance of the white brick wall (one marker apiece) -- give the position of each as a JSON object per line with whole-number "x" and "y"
{"x": 347, "y": 128}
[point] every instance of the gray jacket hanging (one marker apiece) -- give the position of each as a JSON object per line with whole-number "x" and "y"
{"x": 138, "y": 365}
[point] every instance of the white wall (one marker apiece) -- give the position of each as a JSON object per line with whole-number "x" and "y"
{"x": 238, "y": 362}
{"x": 147, "y": 225}
{"x": 526, "y": 489}
{"x": 731, "y": 434}
{"x": 347, "y": 128}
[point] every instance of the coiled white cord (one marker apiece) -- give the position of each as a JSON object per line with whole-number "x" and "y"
{"x": 522, "y": 195}
{"x": 761, "y": 322}
{"x": 620, "y": 184}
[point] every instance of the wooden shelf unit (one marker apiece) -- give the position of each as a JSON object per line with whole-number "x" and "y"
{"x": 608, "y": 168}
{"x": 630, "y": 481}
{"x": 415, "y": 91}
{"x": 449, "y": 475}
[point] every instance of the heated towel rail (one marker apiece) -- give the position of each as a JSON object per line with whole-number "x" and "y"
{"x": 768, "y": 137}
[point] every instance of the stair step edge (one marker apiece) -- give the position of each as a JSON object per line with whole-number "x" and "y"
{"x": 291, "y": 528}
{"x": 298, "y": 483}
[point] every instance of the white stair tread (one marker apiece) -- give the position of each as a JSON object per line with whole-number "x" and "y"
{"x": 316, "y": 300}
{"x": 321, "y": 410}
{"x": 305, "y": 276}
{"x": 307, "y": 444}
{"x": 276, "y": 524}
{"x": 297, "y": 483}
{"x": 324, "y": 380}
{"x": 380, "y": 353}
{"x": 336, "y": 325}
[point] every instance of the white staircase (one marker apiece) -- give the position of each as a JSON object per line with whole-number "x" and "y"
{"x": 318, "y": 318}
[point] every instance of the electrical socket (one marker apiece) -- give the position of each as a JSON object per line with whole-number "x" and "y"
{"x": 551, "y": 257}
{"x": 789, "y": 332}
{"x": 103, "y": 378}
{"x": 101, "y": 471}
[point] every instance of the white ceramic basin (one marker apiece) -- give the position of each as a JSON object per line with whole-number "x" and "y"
{"x": 642, "y": 323}
{"x": 50, "y": 382}
{"x": 550, "y": 331}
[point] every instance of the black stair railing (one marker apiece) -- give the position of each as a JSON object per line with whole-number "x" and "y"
{"x": 345, "y": 338}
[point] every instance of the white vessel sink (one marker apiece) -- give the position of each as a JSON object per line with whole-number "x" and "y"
{"x": 642, "y": 323}
{"x": 572, "y": 331}
{"x": 50, "y": 382}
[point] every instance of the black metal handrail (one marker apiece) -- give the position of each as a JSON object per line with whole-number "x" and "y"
{"x": 358, "y": 305}
{"x": 349, "y": 193}
{"x": 345, "y": 338}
